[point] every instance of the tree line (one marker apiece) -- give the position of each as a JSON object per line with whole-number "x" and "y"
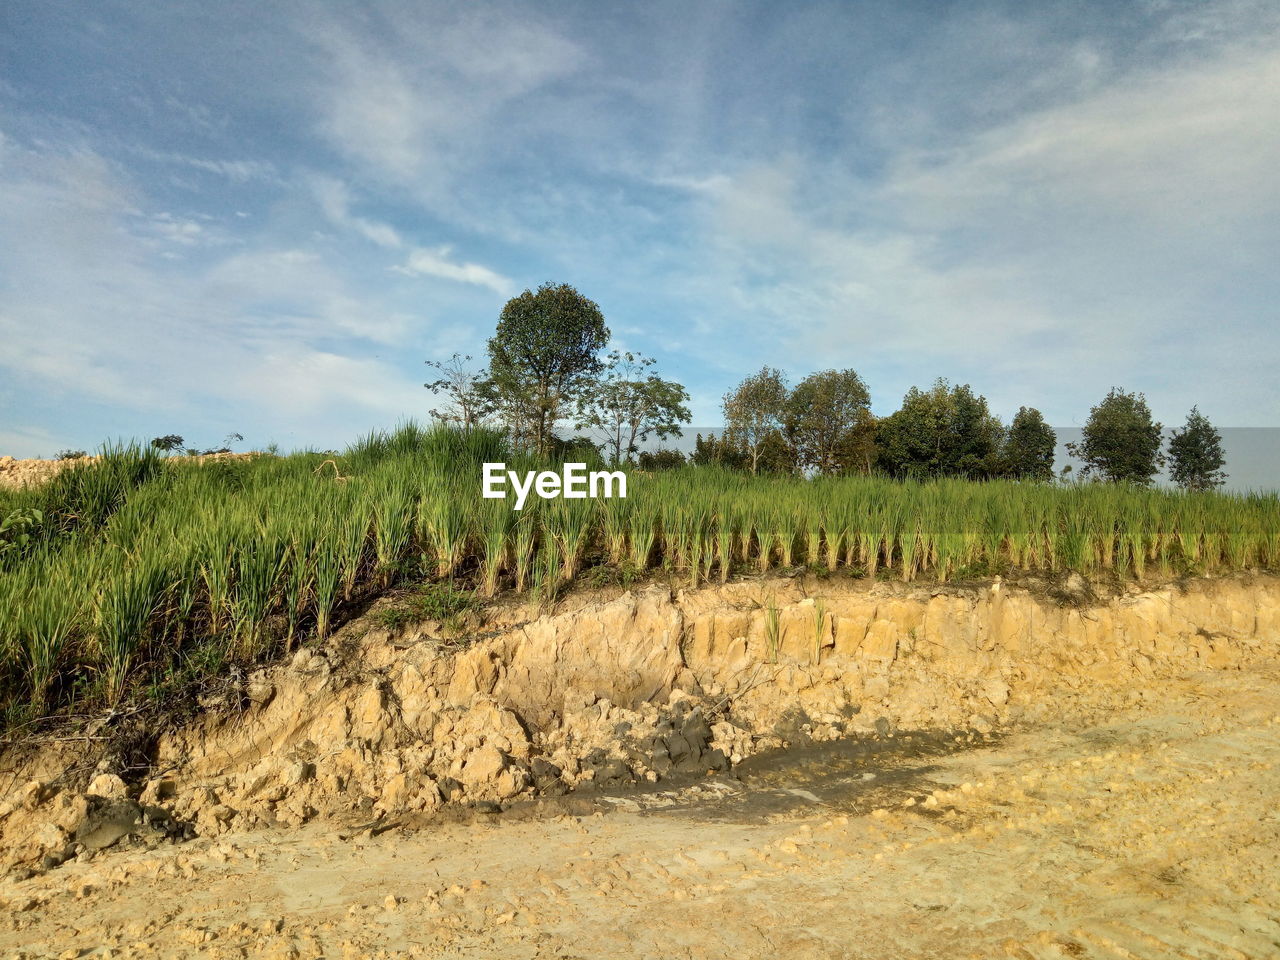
{"x": 545, "y": 368}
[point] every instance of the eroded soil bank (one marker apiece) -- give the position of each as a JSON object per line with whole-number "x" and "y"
{"x": 647, "y": 686}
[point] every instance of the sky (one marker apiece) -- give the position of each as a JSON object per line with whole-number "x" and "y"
{"x": 264, "y": 218}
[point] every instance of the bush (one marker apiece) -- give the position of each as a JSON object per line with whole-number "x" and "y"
{"x": 660, "y": 459}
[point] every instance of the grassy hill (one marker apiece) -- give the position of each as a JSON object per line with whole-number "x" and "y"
{"x": 134, "y": 574}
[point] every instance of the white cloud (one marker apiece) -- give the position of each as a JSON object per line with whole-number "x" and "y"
{"x": 1065, "y": 250}
{"x": 268, "y": 337}
{"x": 413, "y": 110}
{"x": 237, "y": 171}
{"x": 335, "y": 200}
{"x": 437, "y": 262}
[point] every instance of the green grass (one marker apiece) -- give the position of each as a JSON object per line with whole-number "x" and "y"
{"x": 446, "y": 605}
{"x": 129, "y": 569}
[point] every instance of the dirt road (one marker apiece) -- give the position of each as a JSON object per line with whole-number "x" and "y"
{"x": 1152, "y": 831}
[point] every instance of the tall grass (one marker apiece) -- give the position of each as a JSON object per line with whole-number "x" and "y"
{"x": 137, "y": 562}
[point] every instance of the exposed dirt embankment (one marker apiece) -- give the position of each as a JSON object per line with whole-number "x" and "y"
{"x": 30, "y": 473}
{"x": 637, "y": 686}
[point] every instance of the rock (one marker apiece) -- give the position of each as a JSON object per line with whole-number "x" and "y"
{"x": 715, "y": 760}
{"x": 794, "y": 726}
{"x": 677, "y": 748}
{"x": 696, "y": 730}
{"x": 450, "y": 789}
{"x": 548, "y": 779}
{"x": 298, "y": 773}
{"x": 108, "y": 785}
{"x": 510, "y": 782}
{"x": 157, "y": 790}
{"x": 483, "y": 766}
{"x": 107, "y": 822}
{"x": 610, "y": 771}
{"x": 996, "y": 690}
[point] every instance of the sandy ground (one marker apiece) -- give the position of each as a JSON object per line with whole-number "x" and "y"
{"x": 1151, "y": 832}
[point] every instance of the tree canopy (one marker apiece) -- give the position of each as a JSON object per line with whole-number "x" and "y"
{"x": 629, "y": 404}
{"x": 941, "y": 431}
{"x": 1195, "y": 454}
{"x": 543, "y": 352}
{"x": 1120, "y": 442}
{"x": 753, "y": 412}
{"x": 827, "y": 421}
{"x": 1029, "y": 446}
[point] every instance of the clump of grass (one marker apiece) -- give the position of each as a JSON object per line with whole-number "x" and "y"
{"x": 772, "y": 632}
{"x": 433, "y": 601}
{"x": 819, "y": 628}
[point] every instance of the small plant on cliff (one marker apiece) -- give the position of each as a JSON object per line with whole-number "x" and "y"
{"x": 819, "y": 628}
{"x": 772, "y": 632}
{"x": 433, "y": 601}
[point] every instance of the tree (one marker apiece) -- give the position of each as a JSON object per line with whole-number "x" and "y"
{"x": 1120, "y": 442}
{"x": 663, "y": 459}
{"x": 776, "y": 455}
{"x": 469, "y": 398}
{"x": 1029, "y": 446}
{"x": 543, "y": 352}
{"x": 168, "y": 443}
{"x": 1195, "y": 454}
{"x": 630, "y": 404}
{"x": 942, "y": 431}
{"x": 753, "y": 412}
{"x": 712, "y": 450}
{"x": 825, "y": 418}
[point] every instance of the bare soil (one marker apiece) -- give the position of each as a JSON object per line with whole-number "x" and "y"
{"x": 1150, "y": 829}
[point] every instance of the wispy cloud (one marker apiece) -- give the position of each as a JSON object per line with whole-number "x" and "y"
{"x": 1040, "y": 203}
{"x": 438, "y": 262}
{"x": 335, "y": 200}
{"x": 1064, "y": 250}
{"x": 414, "y": 99}
{"x": 236, "y": 171}
{"x": 93, "y": 313}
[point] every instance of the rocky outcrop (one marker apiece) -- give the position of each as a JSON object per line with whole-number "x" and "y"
{"x": 643, "y": 685}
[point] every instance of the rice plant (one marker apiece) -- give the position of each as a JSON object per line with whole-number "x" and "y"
{"x": 772, "y": 632}
{"x": 122, "y": 567}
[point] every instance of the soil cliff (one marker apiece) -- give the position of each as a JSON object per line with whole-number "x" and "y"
{"x": 631, "y": 686}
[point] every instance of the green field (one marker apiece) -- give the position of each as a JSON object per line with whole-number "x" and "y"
{"x": 139, "y": 574}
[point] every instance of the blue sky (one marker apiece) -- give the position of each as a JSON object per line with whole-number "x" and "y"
{"x": 264, "y": 217}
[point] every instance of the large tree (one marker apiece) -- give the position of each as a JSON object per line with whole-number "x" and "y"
{"x": 1029, "y": 446}
{"x": 1120, "y": 441}
{"x": 1195, "y": 454}
{"x": 753, "y": 413}
{"x": 942, "y": 431}
{"x": 826, "y": 419}
{"x": 629, "y": 404}
{"x": 545, "y": 350}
